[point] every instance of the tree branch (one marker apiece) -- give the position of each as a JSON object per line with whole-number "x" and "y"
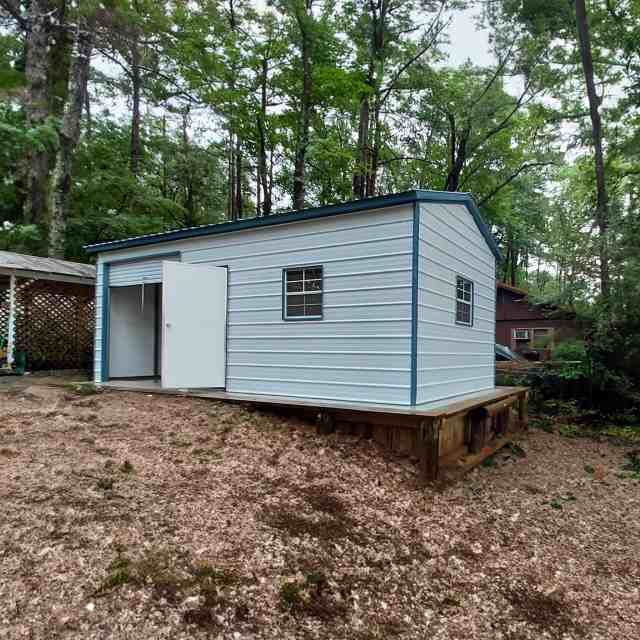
{"x": 12, "y": 7}
{"x": 525, "y": 167}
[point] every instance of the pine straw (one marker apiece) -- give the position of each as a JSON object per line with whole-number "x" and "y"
{"x": 131, "y": 516}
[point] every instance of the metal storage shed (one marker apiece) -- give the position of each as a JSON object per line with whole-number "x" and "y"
{"x": 387, "y": 301}
{"x": 47, "y": 310}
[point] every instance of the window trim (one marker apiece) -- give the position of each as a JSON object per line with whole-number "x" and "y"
{"x": 471, "y": 303}
{"x": 287, "y": 318}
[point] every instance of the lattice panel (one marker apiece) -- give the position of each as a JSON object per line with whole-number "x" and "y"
{"x": 55, "y": 324}
{"x": 4, "y": 310}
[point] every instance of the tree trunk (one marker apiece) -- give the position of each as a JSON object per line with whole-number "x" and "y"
{"x": 238, "y": 204}
{"x": 165, "y": 173}
{"x": 136, "y": 81}
{"x": 602, "y": 206}
{"x": 299, "y": 180}
{"x": 457, "y": 154}
{"x": 372, "y": 170}
{"x": 360, "y": 174}
{"x": 60, "y": 55}
{"x": 514, "y": 267}
{"x": 69, "y": 137}
{"x": 262, "y": 141}
{"x": 37, "y": 101}
{"x": 231, "y": 181}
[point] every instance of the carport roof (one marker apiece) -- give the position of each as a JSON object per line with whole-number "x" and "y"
{"x": 378, "y": 202}
{"x": 27, "y": 266}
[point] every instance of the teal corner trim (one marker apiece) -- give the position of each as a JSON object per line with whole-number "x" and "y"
{"x": 414, "y": 302}
{"x": 104, "y": 365}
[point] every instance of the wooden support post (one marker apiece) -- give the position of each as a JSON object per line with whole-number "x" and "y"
{"x": 11, "y": 330}
{"x": 325, "y": 423}
{"x": 479, "y": 429}
{"x": 523, "y": 410}
{"x": 429, "y": 447}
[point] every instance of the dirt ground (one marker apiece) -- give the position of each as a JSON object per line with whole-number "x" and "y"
{"x": 130, "y": 516}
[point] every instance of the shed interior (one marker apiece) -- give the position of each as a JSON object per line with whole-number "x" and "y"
{"x": 135, "y": 335}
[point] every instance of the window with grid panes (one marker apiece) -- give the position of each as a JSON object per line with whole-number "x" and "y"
{"x": 464, "y": 301}
{"x": 302, "y": 293}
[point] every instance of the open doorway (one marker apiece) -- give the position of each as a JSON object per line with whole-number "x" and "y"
{"x": 135, "y": 334}
{"x": 171, "y": 332}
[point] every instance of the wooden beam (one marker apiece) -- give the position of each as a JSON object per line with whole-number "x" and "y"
{"x": 523, "y": 410}
{"x": 325, "y": 423}
{"x": 429, "y": 448}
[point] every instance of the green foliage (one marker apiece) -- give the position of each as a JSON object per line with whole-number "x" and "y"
{"x": 291, "y": 595}
{"x": 569, "y": 430}
{"x": 570, "y": 350}
{"x": 633, "y": 464}
{"x": 21, "y": 238}
{"x": 558, "y": 503}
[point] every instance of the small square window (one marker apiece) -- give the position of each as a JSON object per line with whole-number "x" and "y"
{"x": 302, "y": 292}
{"x": 464, "y": 301}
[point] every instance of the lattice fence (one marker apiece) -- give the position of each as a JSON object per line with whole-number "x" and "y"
{"x": 54, "y": 324}
{"x": 4, "y": 309}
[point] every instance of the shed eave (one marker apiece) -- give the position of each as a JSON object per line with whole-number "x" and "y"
{"x": 354, "y": 206}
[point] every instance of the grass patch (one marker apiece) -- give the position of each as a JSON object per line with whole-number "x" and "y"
{"x": 127, "y": 467}
{"x": 206, "y": 453}
{"x": 105, "y": 484}
{"x": 215, "y": 598}
{"x": 490, "y": 462}
{"x": 630, "y": 435}
{"x": 156, "y": 570}
{"x": 310, "y": 596}
{"x": 172, "y": 578}
{"x": 120, "y": 573}
{"x": 183, "y": 444}
{"x": 545, "y": 423}
{"x": 558, "y": 503}
{"x": 516, "y": 450}
{"x": 83, "y": 388}
{"x": 632, "y": 466}
{"x": 570, "y": 431}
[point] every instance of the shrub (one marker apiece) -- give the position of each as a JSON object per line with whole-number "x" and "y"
{"x": 571, "y": 350}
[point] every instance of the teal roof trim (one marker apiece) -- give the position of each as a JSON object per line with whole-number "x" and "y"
{"x": 378, "y": 202}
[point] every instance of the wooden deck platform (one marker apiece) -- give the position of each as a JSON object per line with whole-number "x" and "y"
{"x": 447, "y": 439}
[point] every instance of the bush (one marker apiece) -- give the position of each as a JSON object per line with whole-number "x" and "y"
{"x": 588, "y": 386}
{"x": 571, "y": 350}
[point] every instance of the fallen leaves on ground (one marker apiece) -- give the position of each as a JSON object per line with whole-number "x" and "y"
{"x": 134, "y": 516}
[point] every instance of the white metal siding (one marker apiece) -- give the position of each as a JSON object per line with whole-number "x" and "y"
{"x": 453, "y": 359}
{"x": 360, "y": 351}
{"x": 139, "y": 272}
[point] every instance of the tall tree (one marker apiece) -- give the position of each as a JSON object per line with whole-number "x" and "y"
{"x": 602, "y": 206}
{"x": 386, "y": 55}
{"x": 69, "y": 136}
{"x": 303, "y": 13}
